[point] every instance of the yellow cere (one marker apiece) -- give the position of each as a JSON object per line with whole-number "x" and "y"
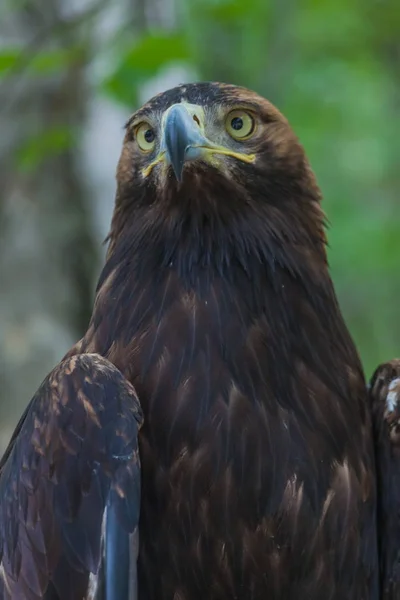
{"x": 239, "y": 124}
{"x": 147, "y": 170}
{"x": 247, "y": 158}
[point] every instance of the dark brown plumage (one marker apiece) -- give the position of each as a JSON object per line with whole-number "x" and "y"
{"x": 385, "y": 405}
{"x": 216, "y": 302}
{"x": 74, "y": 452}
{"x": 258, "y": 477}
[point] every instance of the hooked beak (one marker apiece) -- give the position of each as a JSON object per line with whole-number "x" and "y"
{"x": 183, "y": 141}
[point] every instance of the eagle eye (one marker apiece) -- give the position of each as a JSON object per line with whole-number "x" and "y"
{"x": 145, "y": 137}
{"x": 240, "y": 124}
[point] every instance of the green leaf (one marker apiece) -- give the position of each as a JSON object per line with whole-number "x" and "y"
{"x": 225, "y": 10}
{"x": 8, "y": 58}
{"x": 38, "y": 148}
{"x": 143, "y": 60}
{"x": 155, "y": 50}
{"x": 54, "y": 60}
{"x": 40, "y": 63}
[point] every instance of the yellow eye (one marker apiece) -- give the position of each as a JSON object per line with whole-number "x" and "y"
{"x": 145, "y": 137}
{"x": 239, "y": 124}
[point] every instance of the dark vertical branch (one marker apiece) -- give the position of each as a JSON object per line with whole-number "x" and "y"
{"x": 47, "y": 250}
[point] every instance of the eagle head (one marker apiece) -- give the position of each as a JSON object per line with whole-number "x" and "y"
{"x": 218, "y": 164}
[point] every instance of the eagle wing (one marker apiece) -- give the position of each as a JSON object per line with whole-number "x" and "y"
{"x": 70, "y": 488}
{"x": 384, "y": 393}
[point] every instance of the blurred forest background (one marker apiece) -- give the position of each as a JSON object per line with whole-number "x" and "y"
{"x": 72, "y": 71}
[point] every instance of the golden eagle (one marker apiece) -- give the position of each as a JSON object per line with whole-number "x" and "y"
{"x": 267, "y": 469}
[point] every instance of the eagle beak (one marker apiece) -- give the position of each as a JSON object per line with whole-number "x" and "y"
{"x": 183, "y": 140}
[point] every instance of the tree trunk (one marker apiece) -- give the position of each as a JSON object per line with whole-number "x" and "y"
{"x": 47, "y": 253}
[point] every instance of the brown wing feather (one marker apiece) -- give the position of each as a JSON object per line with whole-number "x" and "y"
{"x": 385, "y": 402}
{"x": 73, "y": 453}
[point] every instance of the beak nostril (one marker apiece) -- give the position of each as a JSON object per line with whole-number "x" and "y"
{"x": 196, "y": 119}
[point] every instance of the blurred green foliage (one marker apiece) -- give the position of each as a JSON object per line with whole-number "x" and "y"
{"x": 333, "y": 68}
